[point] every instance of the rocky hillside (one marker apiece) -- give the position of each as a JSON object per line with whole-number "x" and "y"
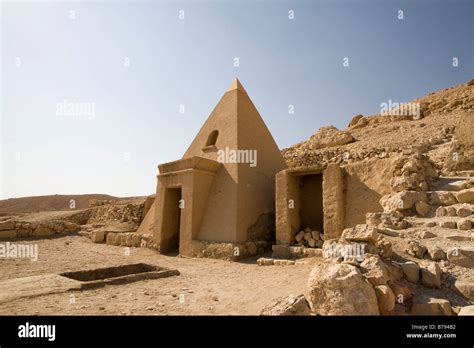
{"x": 443, "y": 130}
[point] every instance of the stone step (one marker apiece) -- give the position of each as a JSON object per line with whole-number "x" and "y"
{"x": 468, "y": 173}
{"x": 452, "y": 183}
{"x": 446, "y": 222}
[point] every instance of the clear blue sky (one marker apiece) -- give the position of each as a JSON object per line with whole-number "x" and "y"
{"x": 190, "y": 62}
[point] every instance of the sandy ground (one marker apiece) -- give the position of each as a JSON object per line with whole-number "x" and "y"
{"x": 205, "y": 286}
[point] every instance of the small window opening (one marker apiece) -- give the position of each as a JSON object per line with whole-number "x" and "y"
{"x": 211, "y": 140}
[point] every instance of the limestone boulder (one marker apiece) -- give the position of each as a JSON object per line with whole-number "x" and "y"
{"x": 465, "y": 196}
{"x": 461, "y": 256}
{"x": 426, "y": 305}
{"x": 329, "y": 136}
{"x": 431, "y": 275}
{"x": 447, "y": 224}
{"x": 375, "y": 270}
{"x": 355, "y": 120}
{"x": 395, "y": 271}
{"x": 415, "y": 248}
{"x": 384, "y": 248}
{"x": 361, "y": 233}
{"x": 287, "y": 306}
{"x": 393, "y": 220}
{"x": 464, "y": 224}
{"x": 400, "y": 201}
{"x": 442, "y": 198}
{"x": 441, "y": 211}
{"x": 451, "y": 211}
{"x": 422, "y": 208}
{"x": 426, "y": 234}
{"x": 341, "y": 289}
{"x": 411, "y": 271}
{"x": 401, "y": 290}
{"x": 403, "y": 183}
{"x": 467, "y": 310}
{"x": 436, "y": 253}
{"x": 464, "y": 210}
{"x": 386, "y": 299}
{"x": 466, "y": 288}
{"x": 98, "y": 236}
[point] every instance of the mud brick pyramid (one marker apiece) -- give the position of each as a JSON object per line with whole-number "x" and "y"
{"x": 201, "y": 198}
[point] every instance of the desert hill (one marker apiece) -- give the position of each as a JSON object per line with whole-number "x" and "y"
{"x": 49, "y": 203}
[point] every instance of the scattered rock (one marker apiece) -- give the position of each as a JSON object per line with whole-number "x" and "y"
{"x": 436, "y": 253}
{"x": 461, "y": 256}
{"x": 375, "y": 270}
{"x": 441, "y": 211}
{"x": 385, "y": 298}
{"x": 384, "y": 248}
{"x": 415, "y": 249}
{"x": 401, "y": 290}
{"x": 447, "y": 224}
{"x": 388, "y": 232}
{"x": 299, "y": 236}
{"x": 98, "y": 236}
{"x": 466, "y": 288}
{"x": 465, "y": 196}
{"x": 287, "y": 306}
{"x": 329, "y": 136}
{"x": 355, "y": 120}
{"x": 464, "y": 224}
{"x": 451, "y": 211}
{"x": 402, "y": 200}
{"x": 422, "y": 208}
{"x": 464, "y": 210}
{"x": 426, "y": 235}
{"x": 265, "y": 261}
{"x": 360, "y": 233}
{"x": 467, "y": 310}
{"x": 411, "y": 270}
{"x": 431, "y": 275}
{"x": 442, "y": 198}
{"x": 341, "y": 289}
{"x": 426, "y": 305}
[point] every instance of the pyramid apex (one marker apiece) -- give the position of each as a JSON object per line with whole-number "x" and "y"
{"x": 236, "y": 85}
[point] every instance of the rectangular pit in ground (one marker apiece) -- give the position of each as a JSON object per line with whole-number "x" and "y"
{"x": 119, "y": 274}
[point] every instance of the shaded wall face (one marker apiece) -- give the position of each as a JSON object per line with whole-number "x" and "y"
{"x": 311, "y": 195}
{"x": 171, "y": 220}
{"x": 219, "y": 221}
